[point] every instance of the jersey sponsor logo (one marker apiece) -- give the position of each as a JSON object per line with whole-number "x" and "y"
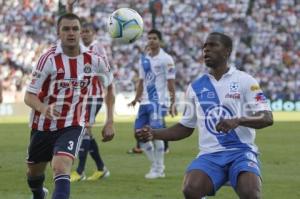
{"x": 73, "y": 83}
{"x": 233, "y": 95}
{"x": 36, "y": 74}
{"x": 255, "y": 88}
{"x": 233, "y": 87}
{"x": 213, "y": 115}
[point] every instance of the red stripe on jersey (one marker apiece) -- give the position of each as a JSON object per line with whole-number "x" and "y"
{"x": 87, "y": 60}
{"x": 68, "y": 95}
{"x": 59, "y": 76}
{"x": 44, "y": 58}
{"x": 41, "y": 96}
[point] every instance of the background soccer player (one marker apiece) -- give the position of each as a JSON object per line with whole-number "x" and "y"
{"x": 89, "y": 144}
{"x": 157, "y": 77}
{"x": 226, "y": 105}
{"x": 57, "y": 95}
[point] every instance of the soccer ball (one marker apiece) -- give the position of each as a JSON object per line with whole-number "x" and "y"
{"x": 125, "y": 25}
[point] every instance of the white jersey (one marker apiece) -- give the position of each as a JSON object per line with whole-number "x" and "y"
{"x": 96, "y": 93}
{"x": 209, "y": 100}
{"x": 155, "y": 71}
{"x": 65, "y": 81}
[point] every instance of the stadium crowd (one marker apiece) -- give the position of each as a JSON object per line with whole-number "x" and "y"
{"x": 266, "y": 35}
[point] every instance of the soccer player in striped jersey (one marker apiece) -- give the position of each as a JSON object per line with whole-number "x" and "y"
{"x": 58, "y": 96}
{"x": 226, "y": 105}
{"x": 89, "y": 144}
{"x": 157, "y": 79}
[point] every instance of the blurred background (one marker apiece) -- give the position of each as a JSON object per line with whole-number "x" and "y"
{"x": 266, "y": 36}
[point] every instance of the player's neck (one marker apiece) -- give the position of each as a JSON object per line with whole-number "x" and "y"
{"x": 154, "y": 52}
{"x": 71, "y": 51}
{"x": 219, "y": 71}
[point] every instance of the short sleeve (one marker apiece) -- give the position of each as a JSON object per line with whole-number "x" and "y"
{"x": 254, "y": 96}
{"x": 170, "y": 66}
{"x": 189, "y": 118}
{"x": 103, "y": 71}
{"x": 39, "y": 74}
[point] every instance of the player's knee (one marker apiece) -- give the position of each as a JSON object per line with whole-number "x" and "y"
{"x": 192, "y": 192}
{"x": 250, "y": 193}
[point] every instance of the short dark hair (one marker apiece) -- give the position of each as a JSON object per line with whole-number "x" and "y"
{"x": 225, "y": 39}
{"x": 89, "y": 25}
{"x": 157, "y": 32}
{"x": 70, "y": 16}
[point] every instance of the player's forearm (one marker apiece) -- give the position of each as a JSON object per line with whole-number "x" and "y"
{"x": 139, "y": 90}
{"x": 34, "y": 102}
{"x": 110, "y": 103}
{"x": 171, "y": 88}
{"x": 259, "y": 120}
{"x": 173, "y": 133}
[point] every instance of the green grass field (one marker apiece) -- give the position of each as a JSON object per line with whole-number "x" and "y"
{"x": 279, "y": 147}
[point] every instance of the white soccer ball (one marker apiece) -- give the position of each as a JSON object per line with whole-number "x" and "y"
{"x": 125, "y": 25}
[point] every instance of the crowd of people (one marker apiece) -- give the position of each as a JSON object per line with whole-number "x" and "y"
{"x": 266, "y": 34}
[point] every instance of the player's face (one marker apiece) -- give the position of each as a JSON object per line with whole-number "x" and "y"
{"x": 153, "y": 41}
{"x": 69, "y": 32}
{"x": 214, "y": 52}
{"x": 87, "y": 36}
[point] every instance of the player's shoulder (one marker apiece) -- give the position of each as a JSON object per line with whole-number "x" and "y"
{"x": 243, "y": 76}
{"x": 164, "y": 54}
{"x": 48, "y": 53}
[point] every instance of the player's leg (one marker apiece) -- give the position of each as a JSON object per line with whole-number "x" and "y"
{"x": 156, "y": 122}
{"x": 39, "y": 154}
{"x": 143, "y": 119}
{"x": 79, "y": 174}
{"x": 102, "y": 171}
{"x": 204, "y": 176}
{"x": 196, "y": 185}
{"x": 65, "y": 150}
{"x": 245, "y": 176}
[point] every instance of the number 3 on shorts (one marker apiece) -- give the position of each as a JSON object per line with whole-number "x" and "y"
{"x": 71, "y": 145}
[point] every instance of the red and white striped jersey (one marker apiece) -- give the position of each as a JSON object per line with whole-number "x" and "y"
{"x": 66, "y": 82}
{"x": 96, "y": 94}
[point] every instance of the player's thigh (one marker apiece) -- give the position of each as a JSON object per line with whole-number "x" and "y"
{"x": 69, "y": 141}
{"x": 246, "y": 161}
{"x": 217, "y": 174}
{"x": 157, "y": 116}
{"x": 142, "y": 118}
{"x": 40, "y": 147}
{"x": 197, "y": 182}
{"x": 248, "y": 183}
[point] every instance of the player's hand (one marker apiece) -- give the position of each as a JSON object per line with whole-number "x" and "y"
{"x": 173, "y": 110}
{"x": 144, "y": 134}
{"x": 133, "y": 103}
{"x": 108, "y": 132}
{"x": 50, "y": 112}
{"x": 227, "y": 124}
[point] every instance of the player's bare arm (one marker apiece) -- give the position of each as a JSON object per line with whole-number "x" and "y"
{"x": 171, "y": 87}
{"x": 139, "y": 92}
{"x": 34, "y": 102}
{"x": 108, "y": 131}
{"x": 173, "y": 133}
{"x": 258, "y": 120}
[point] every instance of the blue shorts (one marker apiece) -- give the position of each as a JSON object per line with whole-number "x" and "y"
{"x": 226, "y": 166}
{"x": 43, "y": 145}
{"x": 152, "y": 115}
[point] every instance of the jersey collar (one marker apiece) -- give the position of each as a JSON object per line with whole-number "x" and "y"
{"x": 59, "y": 50}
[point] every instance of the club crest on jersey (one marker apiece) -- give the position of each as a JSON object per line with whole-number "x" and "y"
{"x": 233, "y": 87}
{"x": 87, "y": 68}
